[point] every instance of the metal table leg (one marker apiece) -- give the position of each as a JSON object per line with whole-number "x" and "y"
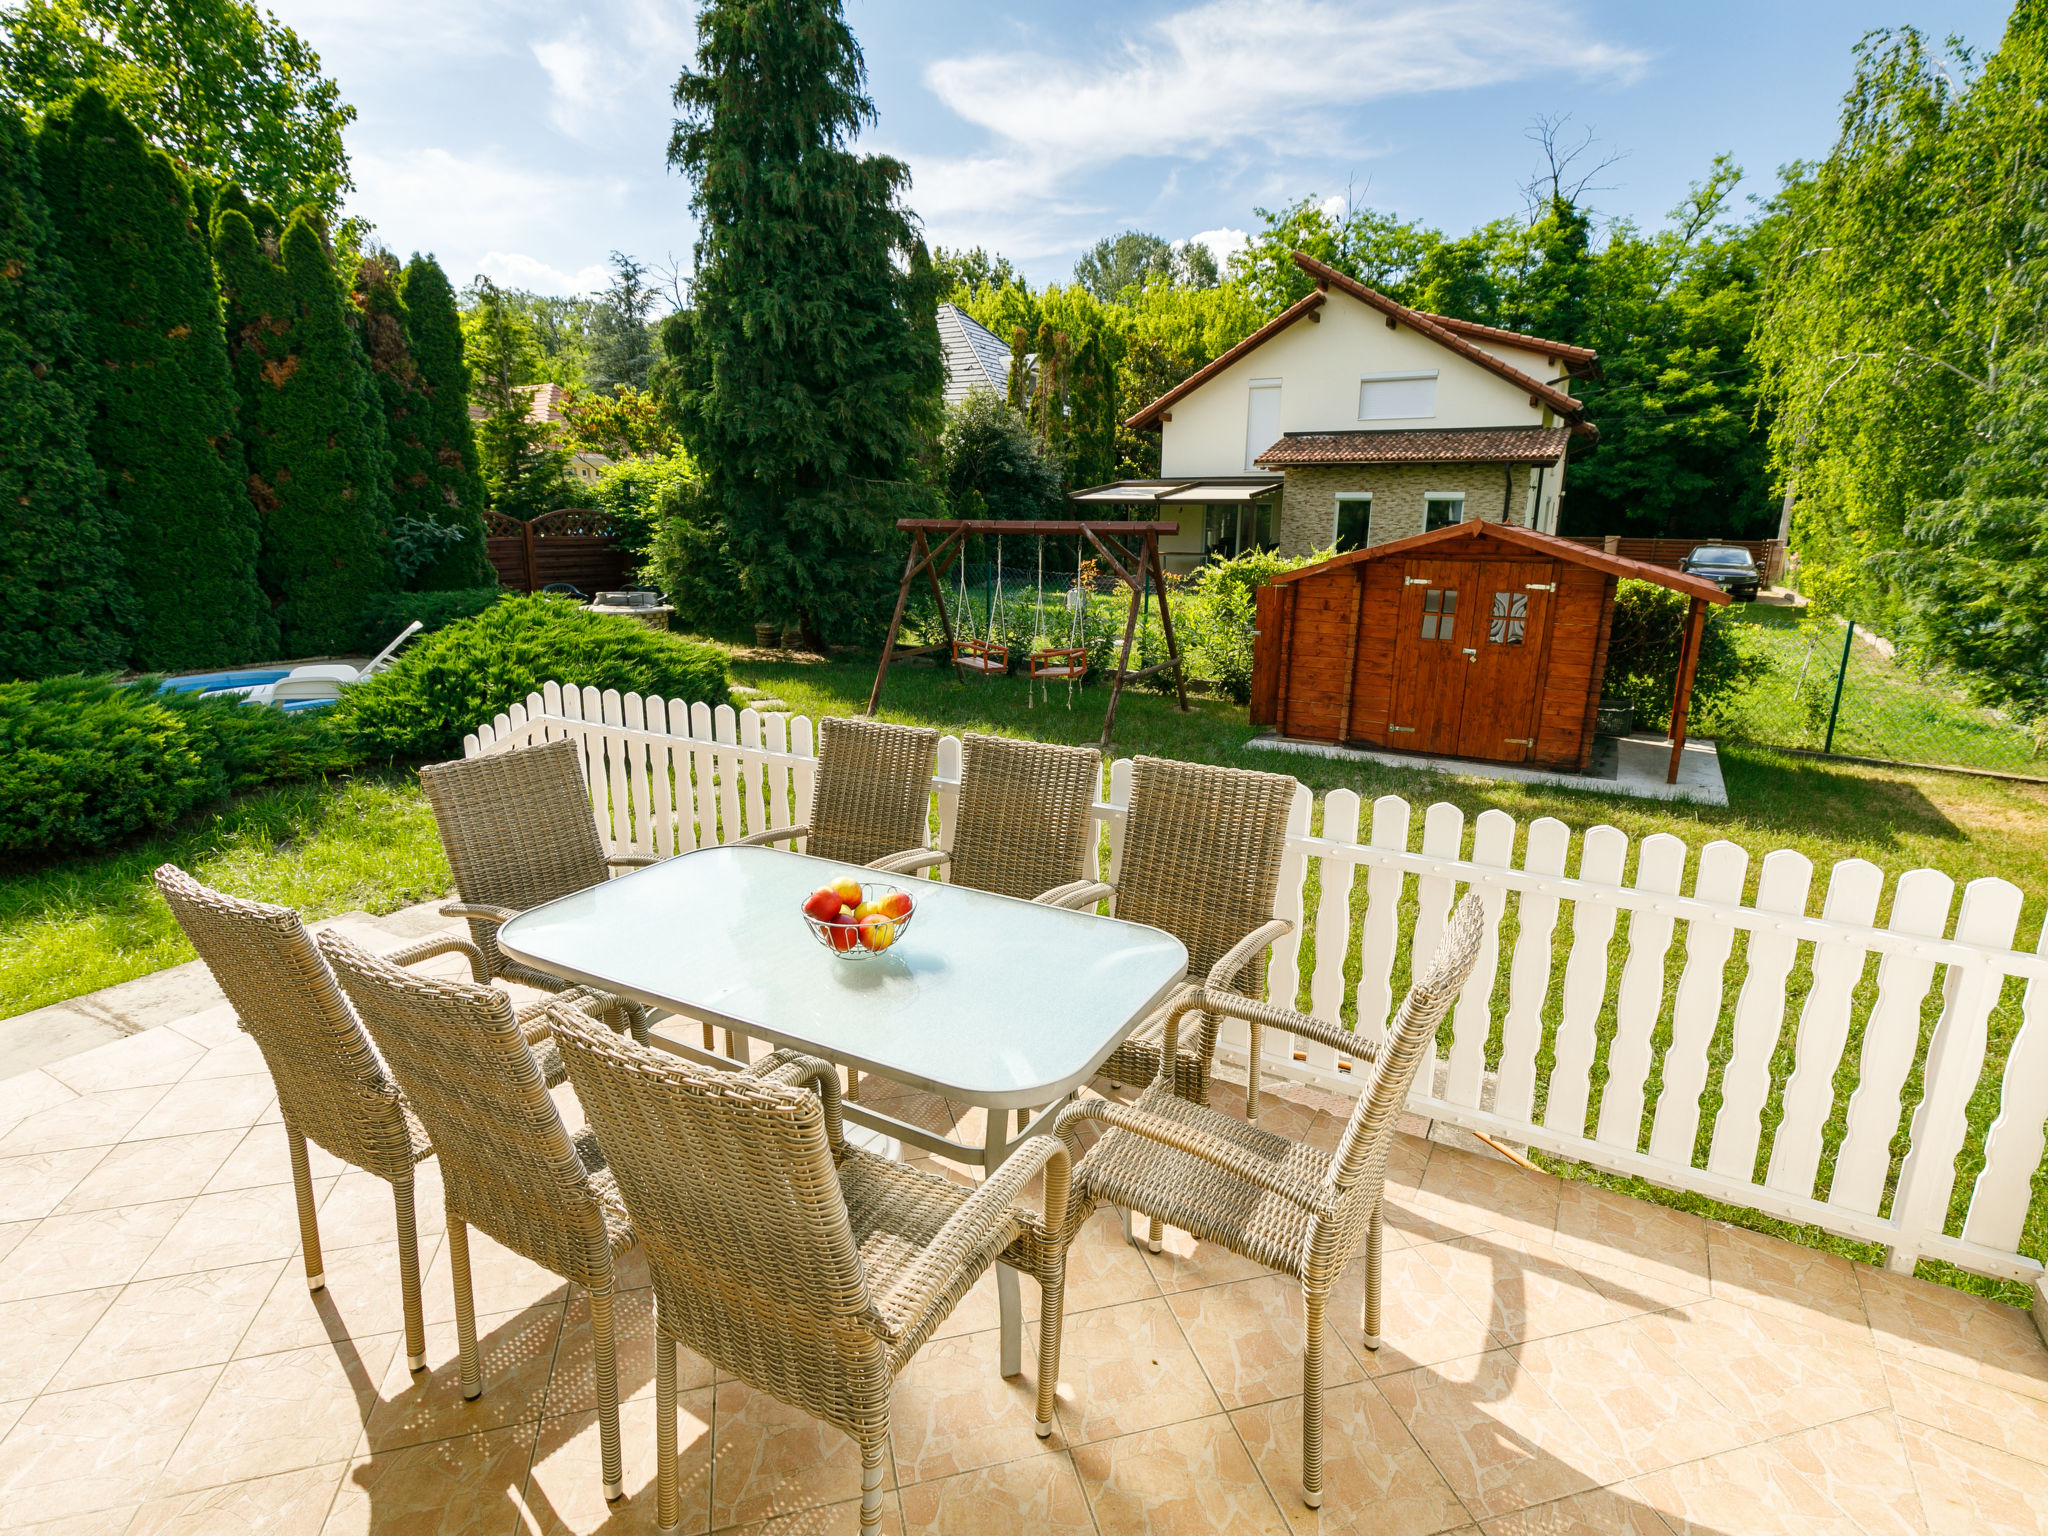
{"x": 996, "y": 1145}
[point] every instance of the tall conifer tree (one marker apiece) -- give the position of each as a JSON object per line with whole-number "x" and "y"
{"x": 436, "y": 330}
{"x": 313, "y": 428}
{"x": 807, "y": 374}
{"x": 163, "y": 423}
{"x": 525, "y": 466}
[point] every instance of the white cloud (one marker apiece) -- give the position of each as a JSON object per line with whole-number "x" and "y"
{"x": 1223, "y": 243}
{"x": 515, "y": 269}
{"x": 432, "y": 199}
{"x": 577, "y": 70}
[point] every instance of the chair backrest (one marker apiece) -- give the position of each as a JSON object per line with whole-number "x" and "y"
{"x": 1201, "y": 857}
{"x": 517, "y": 828}
{"x": 736, "y": 1202}
{"x": 1023, "y": 826}
{"x": 332, "y": 1086}
{"x": 872, "y": 795}
{"x": 507, "y": 1163}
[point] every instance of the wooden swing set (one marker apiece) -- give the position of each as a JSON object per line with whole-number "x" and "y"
{"x": 1129, "y": 551}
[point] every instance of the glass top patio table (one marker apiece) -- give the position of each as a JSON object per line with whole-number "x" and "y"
{"x": 984, "y": 999}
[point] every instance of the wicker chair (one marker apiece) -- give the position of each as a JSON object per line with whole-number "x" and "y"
{"x": 1283, "y": 1204}
{"x": 508, "y": 1165}
{"x": 1201, "y": 859}
{"x": 871, "y": 801}
{"x": 518, "y": 831}
{"x": 806, "y": 1267}
{"x": 1023, "y": 826}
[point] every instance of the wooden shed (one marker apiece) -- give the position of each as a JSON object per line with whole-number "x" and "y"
{"x": 1480, "y": 640}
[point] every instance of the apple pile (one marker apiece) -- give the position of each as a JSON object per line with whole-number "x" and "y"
{"x": 852, "y": 922}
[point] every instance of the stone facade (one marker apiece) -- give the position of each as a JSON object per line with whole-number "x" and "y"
{"x": 1308, "y": 498}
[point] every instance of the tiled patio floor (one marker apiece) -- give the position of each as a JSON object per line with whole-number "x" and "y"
{"x": 1557, "y": 1360}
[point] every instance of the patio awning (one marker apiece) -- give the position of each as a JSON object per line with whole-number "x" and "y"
{"x": 1179, "y": 493}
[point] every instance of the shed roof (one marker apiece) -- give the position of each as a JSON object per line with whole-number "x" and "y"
{"x": 1519, "y": 541}
{"x": 1418, "y": 445}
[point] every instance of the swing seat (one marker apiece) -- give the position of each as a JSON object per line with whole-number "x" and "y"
{"x": 981, "y": 656}
{"x": 1072, "y": 663}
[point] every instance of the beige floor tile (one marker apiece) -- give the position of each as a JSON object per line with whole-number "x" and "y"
{"x": 289, "y": 1504}
{"x": 33, "y": 1187}
{"x": 1423, "y": 1319}
{"x": 156, "y": 1057}
{"x": 1102, "y": 1269}
{"x": 1772, "y": 1275}
{"x": 262, "y": 1156}
{"x": 573, "y": 1387}
{"x": 1376, "y": 1479}
{"x": 775, "y": 1460}
{"x": 1487, "y": 1194}
{"x": 1124, "y": 1369}
{"x": 1953, "y": 1331}
{"x": 171, "y": 1324}
{"x": 1967, "y": 1489}
{"x": 101, "y": 1448}
{"x": 1771, "y": 1369}
{"x": 565, "y": 1490}
{"x": 1860, "y": 1464}
{"x": 953, "y": 1411}
{"x": 1185, "y": 1263}
{"x": 500, "y": 1280}
{"x": 29, "y": 1093}
{"x": 360, "y": 1207}
{"x": 10, "y": 1413}
{"x": 470, "y": 1486}
{"x": 1499, "y": 1439}
{"x": 277, "y": 1413}
{"x": 105, "y": 1522}
{"x": 516, "y": 1355}
{"x": 209, "y": 1104}
{"x": 1526, "y": 1290}
{"x": 236, "y": 1057}
{"x": 1602, "y": 1512}
{"x": 211, "y": 1027}
{"x": 94, "y": 1248}
{"x": 361, "y": 1299}
{"x": 1965, "y": 1406}
{"x": 1632, "y": 1399}
{"x": 1179, "y": 1480}
{"x": 1250, "y": 1336}
{"x": 37, "y": 1336}
{"x": 824, "y": 1520}
{"x": 90, "y": 1120}
{"x": 1625, "y": 1233}
{"x": 137, "y": 1172}
{"x": 1038, "y": 1497}
{"x": 236, "y": 1226}
{"x": 1801, "y": 1485}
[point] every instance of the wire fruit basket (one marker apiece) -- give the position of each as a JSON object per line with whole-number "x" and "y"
{"x": 863, "y": 930}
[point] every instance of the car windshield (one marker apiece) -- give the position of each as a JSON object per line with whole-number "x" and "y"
{"x": 1720, "y": 557}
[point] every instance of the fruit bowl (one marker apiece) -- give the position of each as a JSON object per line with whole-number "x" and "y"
{"x": 884, "y": 914}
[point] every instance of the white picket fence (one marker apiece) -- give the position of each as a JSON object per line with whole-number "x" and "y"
{"x": 669, "y": 776}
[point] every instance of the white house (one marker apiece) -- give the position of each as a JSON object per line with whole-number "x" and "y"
{"x": 1350, "y": 419}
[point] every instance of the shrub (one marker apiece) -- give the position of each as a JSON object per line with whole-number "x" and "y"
{"x": 450, "y": 681}
{"x": 642, "y": 492}
{"x": 691, "y": 560}
{"x": 384, "y": 616}
{"x": 1214, "y": 613}
{"x": 1642, "y": 657}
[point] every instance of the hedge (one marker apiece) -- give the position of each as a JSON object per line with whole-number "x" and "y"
{"x": 386, "y": 615}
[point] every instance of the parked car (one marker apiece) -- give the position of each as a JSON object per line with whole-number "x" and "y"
{"x": 1728, "y": 566}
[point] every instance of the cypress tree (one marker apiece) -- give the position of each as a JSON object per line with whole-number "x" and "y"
{"x": 525, "y": 466}
{"x": 436, "y": 330}
{"x": 312, "y": 426}
{"x": 807, "y": 374}
{"x": 61, "y": 583}
{"x": 163, "y": 420}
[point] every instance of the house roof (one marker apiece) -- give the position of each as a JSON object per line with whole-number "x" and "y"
{"x": 543, "y": 404}
{"x": 976, "y": 358}
{"x": 1519, "y": 541}
{"x": 1452, "y": 337}
{"x": 1418, "y": 445}
{"x": 1561, "y": 350}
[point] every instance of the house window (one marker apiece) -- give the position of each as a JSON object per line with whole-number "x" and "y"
{"x": 1397, "y": 396}
{"x": 1509, "y": 619}
{"x": 1221, "y": 524}
{"x": 1439, "y": 613}
{"x": 1352, "y": 526}
{"x": 1440, "y": 509}
{"x": 1261, "y": 516}
{"x": 1262, "y": 421}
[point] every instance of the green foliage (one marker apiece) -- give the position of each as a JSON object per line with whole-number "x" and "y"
{"x": 448, "y": 682}
{"x": 435, "y": 331}
{"x": 385, "y": 616}
{"x": 987, "y": 452}
{"x": 965, "y": 273}
{"x": 86, "y": 763}
{"x": 1117, "y": 262}
{"x": 556, "y": 331}
{"x": 807, "y": 377}
{"x": 620, "y": 340}
{"x": 525, "y": 469}
{"x": 641, "y": 493}
{"x": 163, "y": 427}
{"x": 313, "y": 428}
{"x": 1642, "y": 657}
{"x": 1214, "y": 614}
{"x": 61, "y": 582}
{"x": 687, "y": 554}
{"x": 627, "y": 423}
{"x": 223, "y": 85}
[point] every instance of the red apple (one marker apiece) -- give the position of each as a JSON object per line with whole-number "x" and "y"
{"x": 877, "y": 932}
{"x": 843, "y": 936}
{"x": 895, "y": 905}
{"x": 823, "y": 904}
{"x": 848, "y": 889}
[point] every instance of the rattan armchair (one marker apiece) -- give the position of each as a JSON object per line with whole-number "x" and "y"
{"x": 871, "y": 799}
{"x": 1201, "y": 859}
{"x": 509, "y": 1167}
{"x": 1275, "y": 1201}
{"x": 518, "y": 831}
{"x": 1023, "y": 826}
{"x": 809, "y": 1269}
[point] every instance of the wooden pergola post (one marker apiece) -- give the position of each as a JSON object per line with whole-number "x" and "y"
{"x": 1681, "y": 699}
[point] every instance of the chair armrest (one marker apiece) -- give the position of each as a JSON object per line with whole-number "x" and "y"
{"x": 479, "y": 911}
{"x": 990, "y": 1208}
{"x": 821, "y": 1077}
{"x": 772, "y": 835}
{"x": 426, "y": 949}
{"x": 1273, "y": 1016}
{"x": 633, "y": 860}
{"x": 1225, "y": 970}
{"x": 911, "y": 859}
{"x": 1075, "y": 895}
{"x": 1193, "y": 1141}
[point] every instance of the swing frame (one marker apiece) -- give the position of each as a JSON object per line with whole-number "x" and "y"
{"x": 1129, "y": 551}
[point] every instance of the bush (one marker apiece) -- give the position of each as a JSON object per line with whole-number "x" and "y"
{"x": 86, "y": 763}
{"x": 1642, "y": 657}
{"x": 641, "y": 493}
{"x": 1214, "y": 613}
{"x": 451, "y": 681}
{"x": 690, "y": 559}
{"x": 386, "y": 615}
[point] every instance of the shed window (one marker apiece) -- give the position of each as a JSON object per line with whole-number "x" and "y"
{"x": 1438, "y": 613}
{"x": 1510, "y": 618}
{"x": 1397, "y": 396}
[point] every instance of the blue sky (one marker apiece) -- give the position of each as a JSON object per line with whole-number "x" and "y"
{"x": 527, "y": 140}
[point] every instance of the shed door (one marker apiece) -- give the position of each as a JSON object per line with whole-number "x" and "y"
{"x": 1431, "y": 663}
{"x": 1511, "y": 602}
